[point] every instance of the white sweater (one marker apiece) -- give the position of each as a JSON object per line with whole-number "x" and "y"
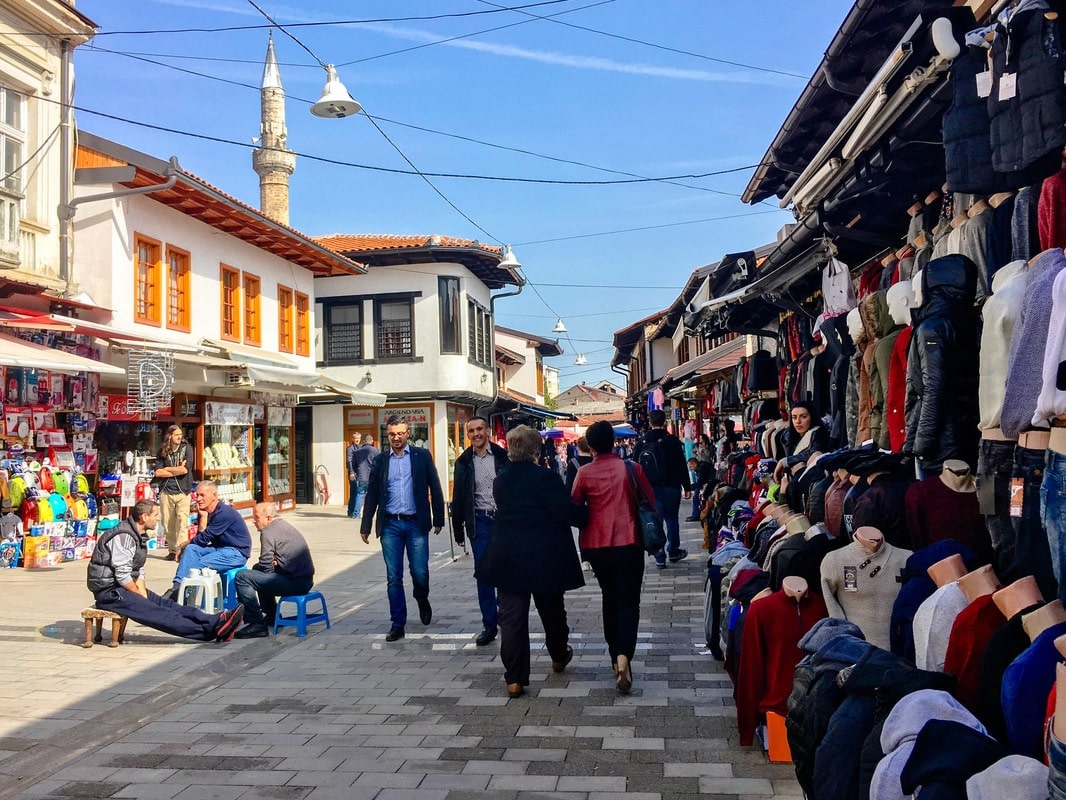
{"x": 1000, "y": 313}
{"x": 1052, "y": 399}
{"x": 932, "y": 625}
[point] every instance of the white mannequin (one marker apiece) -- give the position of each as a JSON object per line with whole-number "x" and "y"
{"x": 916, "y": 288}
{"x": 855, "y": 328}
{"x": 900, "y": 299}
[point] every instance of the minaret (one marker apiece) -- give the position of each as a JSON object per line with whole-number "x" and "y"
{"x": 272, "y": 161}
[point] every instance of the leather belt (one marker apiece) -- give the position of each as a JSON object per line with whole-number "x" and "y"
{"x": 403, "y": 517}
{"x": 489, "y": 514}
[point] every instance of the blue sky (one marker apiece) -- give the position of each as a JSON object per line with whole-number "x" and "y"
{"x": 540, "y": 86}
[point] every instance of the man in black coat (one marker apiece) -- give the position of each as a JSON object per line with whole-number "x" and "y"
{"x": 406, "y": 497}
{"x": 662, "y": 457}
{"x": 473, "y": 510}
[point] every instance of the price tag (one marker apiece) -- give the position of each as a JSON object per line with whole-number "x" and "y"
{"x": 1008, "y": 86}
{"x": 984, "y": 83}
{"x": 851, "y": 579}
{"x": 1017, "y": 494}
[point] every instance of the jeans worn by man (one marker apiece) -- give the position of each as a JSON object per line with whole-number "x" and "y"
{"x": 284, "y": 569}
{"x": 994, "y": 466}
{"x": 662, "y": 456}
{"x": 223, "y": 542}
{"x": 360, "y": 457}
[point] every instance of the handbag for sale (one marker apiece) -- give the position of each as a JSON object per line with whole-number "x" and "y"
{"x": 652, "y": 535}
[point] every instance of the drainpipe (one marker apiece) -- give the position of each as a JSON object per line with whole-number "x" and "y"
{"x": 492, "y": 313}
{"x": 66, "y": 175}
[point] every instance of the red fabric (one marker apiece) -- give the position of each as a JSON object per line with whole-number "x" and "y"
{"x": 896, "y": 396}
{"x": 834, "y": 506}
{"x": 936, "y": 512}
{"x": 1051, "y": 212}
{"x": 604, "y": 485}
{"x": 769, "y": 652}
{"x": 1052, "y": 698}
{"x": 870, "y": 279}
{"x": 970, "y": 632}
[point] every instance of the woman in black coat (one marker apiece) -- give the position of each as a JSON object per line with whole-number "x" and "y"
{"x": 531, "y": 554}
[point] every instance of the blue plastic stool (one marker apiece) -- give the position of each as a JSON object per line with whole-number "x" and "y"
{"x": 229, "y": 588}
{"x": 302, "y": 618}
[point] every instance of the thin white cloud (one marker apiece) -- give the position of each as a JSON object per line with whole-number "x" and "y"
{"x": 512, "y": 51}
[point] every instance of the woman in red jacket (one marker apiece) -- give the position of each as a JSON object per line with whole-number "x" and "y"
{"x": 609, "y": 542}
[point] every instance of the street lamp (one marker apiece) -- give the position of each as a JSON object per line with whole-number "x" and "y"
{"x": 335, "y": 101}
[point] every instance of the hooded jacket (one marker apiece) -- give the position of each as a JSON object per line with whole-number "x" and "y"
{"x": 936, "y": 772}
{"x": 900, "y": 732}
{"x": 886, "y": 331}
{"x": 815, "y": 693}
{"x": 1017, "y": 777}
{"x": 942, "y": 365}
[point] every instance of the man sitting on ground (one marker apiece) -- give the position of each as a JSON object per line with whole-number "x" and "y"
{"x": 116, "y": 578}
{"x": 223, "y": 542}
{"x": 285, "y": 568}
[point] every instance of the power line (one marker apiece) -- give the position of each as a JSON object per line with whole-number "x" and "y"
{"x": 427, "y": 18}
{"x": 645, "y": 228}
{"x": 282, "y": 29}
{"x": 649, "y": 44}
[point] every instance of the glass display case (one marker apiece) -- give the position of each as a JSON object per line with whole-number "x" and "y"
{"x": 278, "y": 457}
{"x": 227, "y": 461}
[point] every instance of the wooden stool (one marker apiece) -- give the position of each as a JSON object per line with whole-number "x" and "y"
{"x": 118, "y": 626}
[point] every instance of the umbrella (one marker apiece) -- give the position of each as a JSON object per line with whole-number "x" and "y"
{"x": 559, "y": 433}
{"x": 624, "y": 431}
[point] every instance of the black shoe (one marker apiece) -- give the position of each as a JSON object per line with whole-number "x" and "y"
{"x": 228, "y": 622}
{"x": 253, "y": 630}
{"x": 395, "y": 634}
{"x": 171, "y": 557}
{"x": 692, "y": 519}
{"x": 171, "y": 594}
{"x": 485, "y": 637}
{"x": 425, "y": 612}
{"x": 559, "y": 666}
{"x": 680, "y": 555}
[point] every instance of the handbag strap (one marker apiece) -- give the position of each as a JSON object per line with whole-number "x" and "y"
{"x": 634, "y": 484}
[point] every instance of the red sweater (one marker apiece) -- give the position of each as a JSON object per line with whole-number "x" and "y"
{"x": 970, "y": 632}
{"x": 1051, "y": 212}
{"x": 769, "y": 652}
{"x": 896, "y": 396}
{"x": 936, "y": 512}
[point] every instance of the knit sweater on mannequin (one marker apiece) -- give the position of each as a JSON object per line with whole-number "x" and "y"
{"x": 861, "y": 586}
{"x": 999, "y": 314}
{"x": 970, "y": 632}
{"x": 932, "y": 625}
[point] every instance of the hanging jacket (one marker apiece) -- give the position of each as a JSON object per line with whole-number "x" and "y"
{"x": 896, "y": 396}
{"x": 967, "y": 129}
{"x": 836, "y": 762}
{"x": 815, "y": 697}
{"x": 839, "y": 345}
{"x": 942, "y": 366}
{"x": 1028, "y": 125}
{"x": 879, "y": 352}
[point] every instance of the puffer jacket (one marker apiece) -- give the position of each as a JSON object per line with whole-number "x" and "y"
{"x": 967, "y": 140}
{"x": 942, "y": 366}
{"x": 816, "y": 696}
{"x": 1028, "y": 128}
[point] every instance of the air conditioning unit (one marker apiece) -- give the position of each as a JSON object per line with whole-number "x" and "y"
{"x": 238, "y": 379}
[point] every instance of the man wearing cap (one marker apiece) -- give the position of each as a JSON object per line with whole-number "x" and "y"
{"x": 116, "y": 578}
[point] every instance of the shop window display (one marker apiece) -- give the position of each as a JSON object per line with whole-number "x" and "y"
{"x": 227, "y": 461}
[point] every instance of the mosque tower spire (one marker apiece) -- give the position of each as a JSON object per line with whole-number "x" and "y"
{"x": 272, "y": 161}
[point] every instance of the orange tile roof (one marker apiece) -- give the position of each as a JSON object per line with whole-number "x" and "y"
{"x": 355, "y": 242}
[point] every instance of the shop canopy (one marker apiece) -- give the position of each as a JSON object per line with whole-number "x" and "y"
{"x": 624, "y": 432}
{"x": 20, "y": 353}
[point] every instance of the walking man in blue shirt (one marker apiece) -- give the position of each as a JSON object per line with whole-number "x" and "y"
{"x": 405, "y": 494}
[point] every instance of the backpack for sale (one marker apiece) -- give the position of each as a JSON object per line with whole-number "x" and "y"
{"x": 81, "y": 484}
{"x": 61, "y": 479}
{"x": 79, "y": 509}
{"x": 652, "y": 459}
{"x": 58, "y": 504}
{"x": 46, "y": 481}
{"x": 16, "y": 488}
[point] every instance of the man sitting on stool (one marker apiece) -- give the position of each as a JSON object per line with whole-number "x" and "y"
{"x": 116, "y": 578}
{"x": 284, "y": 569}
{"x": 223, "y": 542}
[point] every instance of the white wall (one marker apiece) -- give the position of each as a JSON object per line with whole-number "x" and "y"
{"x": 328, "y": 448}
{"x": 521, "y": 377}
{"x": 663, "y": 357}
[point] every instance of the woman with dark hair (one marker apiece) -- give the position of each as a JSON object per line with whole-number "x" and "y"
{"x": 531, "y": 554}
{"x": 610, "y": 544}
{"x": 806, "y": 433}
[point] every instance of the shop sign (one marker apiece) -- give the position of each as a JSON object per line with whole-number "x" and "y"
{"x": 413, "y": 415}
{"x": 271, "y": 399}
{"x": 123, "y": 407}
{"x": 360, "y": 418}
{"x": 279, "y": 417}
{"x": 228, "y": 414}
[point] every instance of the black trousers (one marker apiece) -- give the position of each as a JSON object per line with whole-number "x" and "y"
{"x": 160, "y": 613}
{"x": 620, "y": 572}
{"x": 514, "y": 630}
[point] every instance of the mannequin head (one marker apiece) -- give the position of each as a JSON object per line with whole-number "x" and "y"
{"x": 855, "y": 328}
{"x": 1017, "y": 596}
{"x": 957, "y": 476}
{"x": 900, "y": 299}
{"x": 1036, "y": 622}
{"x": 947, "y": 570}
{"x": 794, "y": 587}
{"x": 916, "y": 288}
{"x": 869, "y": 538}
{"x": 978, "y": 583}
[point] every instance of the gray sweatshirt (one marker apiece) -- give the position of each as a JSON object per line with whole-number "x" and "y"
{"x": 283, "y": 549}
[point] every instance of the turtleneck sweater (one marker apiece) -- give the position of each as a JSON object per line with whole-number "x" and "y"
{"x": 861, "y": 587}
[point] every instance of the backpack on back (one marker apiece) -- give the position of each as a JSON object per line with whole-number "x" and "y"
{"x": 652, "y": 459}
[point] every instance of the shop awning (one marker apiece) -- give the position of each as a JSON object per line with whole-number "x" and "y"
{"x": 241, "y": 354}
{"x": 298, "y": 382}
{"x": 30, "y": 320}
{"x": 19, "y": 353}
{"x": 542, "y": 412}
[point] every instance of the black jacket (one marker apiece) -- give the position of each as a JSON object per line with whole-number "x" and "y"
{"x": 461, "y": 509}
{"x": 531, "y": 548}
{"x": 426, "y": 489}
{"x": 676, "y": 467}
{"x": 101, "y": 574}
{"x": 942, "y": 365}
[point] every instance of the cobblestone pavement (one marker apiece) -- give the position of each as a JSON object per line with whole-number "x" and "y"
{"x": 342, "y": 714}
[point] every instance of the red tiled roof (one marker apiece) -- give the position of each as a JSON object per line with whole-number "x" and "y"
{"x": 356, "y": 242}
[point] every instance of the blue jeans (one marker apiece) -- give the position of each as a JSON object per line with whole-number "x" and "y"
{"x": 994, "y": 466}
{"x": 217, "y": 558}
{"x": 398, "y": 536}
{"x": 259, "y": 593}
{"x": 486, "y": 595}
{"x": 356, "y": 495}
{"x": 1053, "y": 513}
{"x": 1031, "y": 542}
{"x": 1056, "y": 782}
{"x": 159, "y": 613}
{"x": 668, "y": 501}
